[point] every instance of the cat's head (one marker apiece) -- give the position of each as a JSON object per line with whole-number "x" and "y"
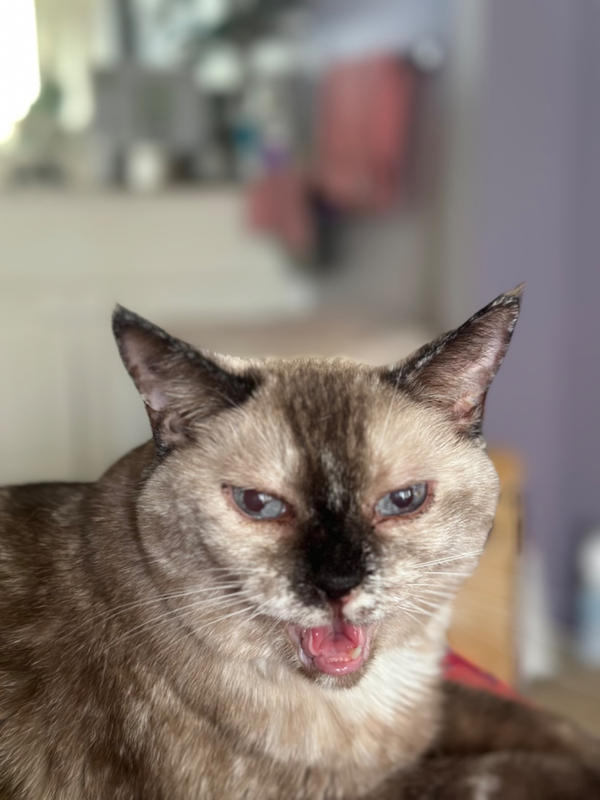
{"x": 309, "y": 513}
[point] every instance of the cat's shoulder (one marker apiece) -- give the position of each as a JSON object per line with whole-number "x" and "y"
{"x": 30, "y": 512}
{"x": 20, "y": 502}
{"x": 25, "y": 496}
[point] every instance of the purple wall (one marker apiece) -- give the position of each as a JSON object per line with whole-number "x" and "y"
{"x": 584, "y": 342}
{"x": 539, "y": 221}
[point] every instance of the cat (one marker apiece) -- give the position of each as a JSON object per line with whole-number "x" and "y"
{"x": 254, "y": 603}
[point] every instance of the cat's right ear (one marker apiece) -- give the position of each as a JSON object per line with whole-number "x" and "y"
{"x": 454, "y": 372}
{"x": 178, "y": 384}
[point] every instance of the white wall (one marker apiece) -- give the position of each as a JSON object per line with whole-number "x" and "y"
{"x": 67, "y": 405}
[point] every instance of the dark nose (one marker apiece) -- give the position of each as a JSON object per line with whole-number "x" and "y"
{"x": 336, "y": 554}
{"x": 336, "y": 585}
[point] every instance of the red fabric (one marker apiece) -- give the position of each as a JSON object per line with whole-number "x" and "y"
{"x": 278, "y": 204}
{"x": 458, "y": 669}
{"x": 363, "y": 123}
{"x": 362, "y": 131}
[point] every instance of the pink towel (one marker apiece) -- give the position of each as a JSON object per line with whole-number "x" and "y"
{"x": 278, "y": 204}
{"x": 362, "y": 131}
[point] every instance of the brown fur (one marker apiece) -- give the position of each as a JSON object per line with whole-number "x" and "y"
{"x": 143, "y": 618}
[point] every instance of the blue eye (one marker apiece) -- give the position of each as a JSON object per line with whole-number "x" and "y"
{"x": 402, "y": 501}
{"x": 258, "y": 505}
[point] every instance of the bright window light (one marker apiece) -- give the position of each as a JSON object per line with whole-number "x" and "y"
{"x": 19, "y": 65}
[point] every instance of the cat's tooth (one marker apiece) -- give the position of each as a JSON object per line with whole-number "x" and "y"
{"x": 304, "y": 658}
{"x": 356, "y": 652}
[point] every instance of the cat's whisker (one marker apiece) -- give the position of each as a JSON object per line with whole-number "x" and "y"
{"x": 490, "y": 598}
{"x": 427, "y": 603}
{"x": 431, "y": 586}
{"x": 232, "y": 571}
{"x": 259, "y": 610}
{"x": 203, "y": 604}
{"x": 112, "y": 613}
{"x": 406, "y": 602}
{"x": 195, "y": 630}
{"x": 448, "y": 584}
{"x": 168, "y": 613}
{"x": 440, "y": 597}
{"x": 447, "y": 574}
{"x": 411, "y": 611}
{"x": 412, "y": 616}
{"x": 414, "y": 606}
{"x": 443, "y": 569}
{"x": 458, "y": 557}
{"x": 434, "y": 587}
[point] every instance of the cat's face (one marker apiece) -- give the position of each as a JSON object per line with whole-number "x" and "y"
{"x": 315, "y": 512}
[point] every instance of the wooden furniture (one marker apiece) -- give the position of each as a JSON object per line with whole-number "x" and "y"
{"x": 483, "y": 625}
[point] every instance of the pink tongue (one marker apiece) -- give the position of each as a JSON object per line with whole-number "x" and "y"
{"x": 335, "y": 649}
{"x": 332, "y": 640}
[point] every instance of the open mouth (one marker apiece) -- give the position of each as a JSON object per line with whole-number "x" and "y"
{"x": 336, "y": 649}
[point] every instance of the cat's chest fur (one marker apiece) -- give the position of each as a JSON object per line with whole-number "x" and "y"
{"x": 286, "y": 732}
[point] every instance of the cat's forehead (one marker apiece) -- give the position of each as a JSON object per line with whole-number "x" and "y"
{"x": 323, "y": 396}
{"x": 315, "y": 391}
{"x": 334, "y": 425}
{"x": 325, "y": 403}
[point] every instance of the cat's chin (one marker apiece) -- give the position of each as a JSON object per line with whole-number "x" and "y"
{"x": 337, "y": 649}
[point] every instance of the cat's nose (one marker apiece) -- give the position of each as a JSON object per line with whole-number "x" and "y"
{"x": 338, "y": 587}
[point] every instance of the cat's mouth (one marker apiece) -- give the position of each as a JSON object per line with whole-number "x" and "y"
{"x": 336, "y": 649}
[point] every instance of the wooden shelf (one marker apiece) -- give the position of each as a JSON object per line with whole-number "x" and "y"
{"x": 483, "y": 624}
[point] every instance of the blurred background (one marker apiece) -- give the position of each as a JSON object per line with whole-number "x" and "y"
{"x": 324, "y": 177}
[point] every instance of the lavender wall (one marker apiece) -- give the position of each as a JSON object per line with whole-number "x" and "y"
{"x": 584, "y": 340}
{"x": 538, "y": 220}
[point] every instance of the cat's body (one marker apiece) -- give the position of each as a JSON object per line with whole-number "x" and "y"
{"x": 254, "y": 605}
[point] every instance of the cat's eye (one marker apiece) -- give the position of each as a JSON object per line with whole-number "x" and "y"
{"x": 258, "y": 505}
{"x": 402, "y": 501}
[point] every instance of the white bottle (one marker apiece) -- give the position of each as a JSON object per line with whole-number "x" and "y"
{"x": 588, "y": 622}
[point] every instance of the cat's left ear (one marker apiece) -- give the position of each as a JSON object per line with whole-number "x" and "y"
{"x": 454, "y": 372}
{"x": 178, "y": 384}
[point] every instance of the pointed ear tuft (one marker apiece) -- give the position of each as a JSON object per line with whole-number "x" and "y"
{"x": 454, "y": 372}
{"x": 178, "y": 384}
